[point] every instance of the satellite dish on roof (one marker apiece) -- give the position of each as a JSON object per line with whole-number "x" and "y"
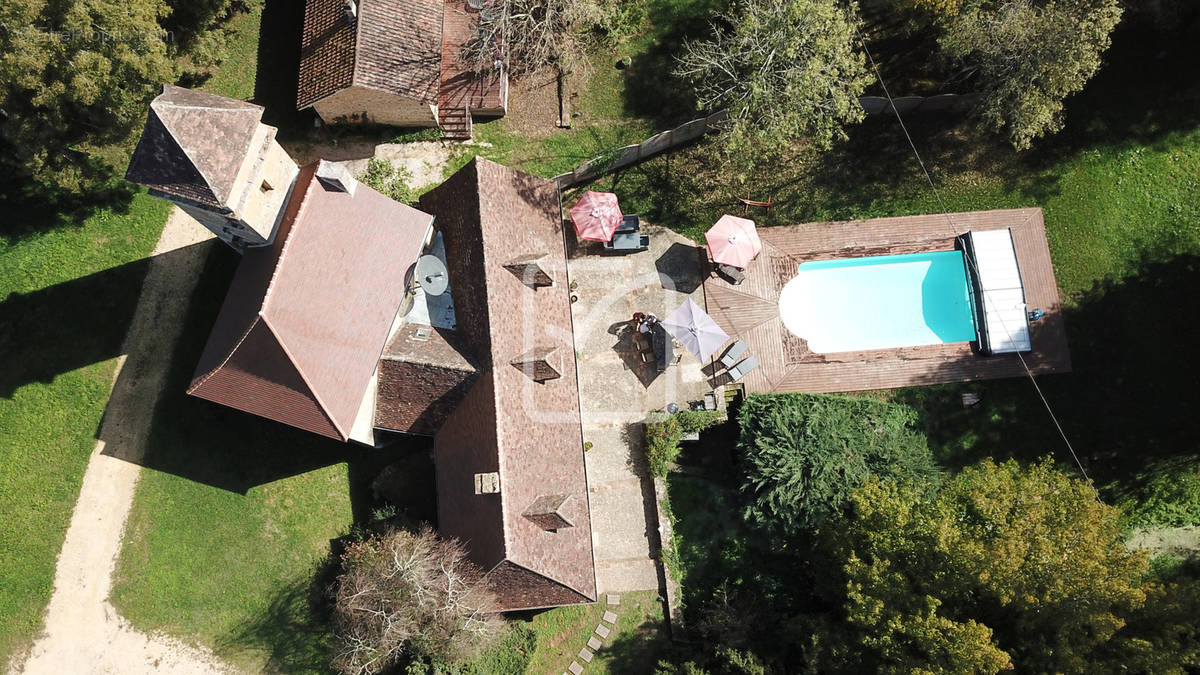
{"x": 432, "y": 274}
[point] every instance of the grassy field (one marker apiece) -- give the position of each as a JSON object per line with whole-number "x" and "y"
{"x": 633, "y": 647}
{"x": 66, "y": 299}
{"x": 69, "y": 281}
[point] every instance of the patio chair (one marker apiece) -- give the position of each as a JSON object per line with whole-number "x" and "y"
{"x": 742, "y": 369}
{"x": 735, "y": 352}
{"x": 630, "y": 223}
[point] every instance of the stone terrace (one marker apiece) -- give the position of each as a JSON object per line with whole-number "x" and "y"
{"x": 616, "y": 391}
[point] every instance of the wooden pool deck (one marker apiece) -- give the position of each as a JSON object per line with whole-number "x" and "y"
{"x": 750, "y": 310}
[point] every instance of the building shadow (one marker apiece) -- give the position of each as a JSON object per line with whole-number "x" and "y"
{"x": 277, "y": 78}
{"x": 70, "y": 325}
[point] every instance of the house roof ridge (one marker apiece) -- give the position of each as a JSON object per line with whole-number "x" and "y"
{"x": 233, "y": 350}
{"x": 296, "y": 220}
{"x": 304, "y": 378}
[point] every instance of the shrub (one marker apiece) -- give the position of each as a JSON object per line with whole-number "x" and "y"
{"x": 392, "y": 181}
{"x": 410, "y": 594}
{"x": 805, "y": 454}
{"x": 1169, "y": 498}
{"x": 663, "y": 434}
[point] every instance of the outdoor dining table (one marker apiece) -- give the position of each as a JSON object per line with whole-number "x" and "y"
{"x": 664, "y": 351}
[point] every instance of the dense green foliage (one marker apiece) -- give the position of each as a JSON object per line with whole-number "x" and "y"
{"x": 389, "y": 180}
{"x": 664, "y": 433}
{"x": 72, "y": 76}
{"x": 1005, "y": 563}
{"x": 1168, "y": 497}
{"x": 782, "y": 69}
{"x": 805, "y": 454}
{"x": 1028, "y": 56}
{"x": 74, "y": 81}
{"x": 1003, "y": 567}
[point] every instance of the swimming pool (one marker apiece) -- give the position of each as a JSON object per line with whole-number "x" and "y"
{"x": 878, "y": 302}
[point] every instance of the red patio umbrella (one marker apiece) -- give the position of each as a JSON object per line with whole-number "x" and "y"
{"x": 733, "y": 241}
{"x": 596, "y": 216}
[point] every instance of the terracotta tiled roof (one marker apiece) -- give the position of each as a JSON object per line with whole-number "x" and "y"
{"x": 528, "y": 432}
{"x": 305, "y": 320}
{"x": 393, "y": 46}
{"x": 423, "y": 376}
{"x": 193, "y": 144}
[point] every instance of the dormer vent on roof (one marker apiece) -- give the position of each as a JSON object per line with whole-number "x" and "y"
{"x": 336, "y": 177}
{"x": 548, "y": 512}
{"x": 540, "y": 364}
{"x": 528, "y": 268}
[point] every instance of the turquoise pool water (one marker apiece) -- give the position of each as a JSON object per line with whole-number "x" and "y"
{"x": 879, "y": 302}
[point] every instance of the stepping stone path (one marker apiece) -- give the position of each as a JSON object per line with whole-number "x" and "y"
{"x": 594, "y": 641}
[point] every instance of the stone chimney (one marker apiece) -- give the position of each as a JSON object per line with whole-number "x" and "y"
{"x": 548, "y": 512}
{"x": 336, "y": 177}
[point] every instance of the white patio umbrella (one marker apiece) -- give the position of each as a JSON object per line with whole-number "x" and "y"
{"x": 695, "y": 329}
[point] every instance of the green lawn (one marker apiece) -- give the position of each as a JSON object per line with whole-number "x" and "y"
{"x": 637, "y": 640}
{"x": 67, "y": 296}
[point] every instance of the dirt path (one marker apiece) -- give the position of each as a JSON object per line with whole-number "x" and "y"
{"x": 83, "y": 632}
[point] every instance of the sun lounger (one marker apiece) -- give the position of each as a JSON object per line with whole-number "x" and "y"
{"x": 742, "y": 369}
{"x": 735, "y": 352}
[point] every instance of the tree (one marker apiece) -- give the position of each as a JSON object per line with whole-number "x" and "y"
{"x": 74, "y": 76}
{"x": 782, "y": 69}
{"x": 410, "y": 594}
{"x": 805, "y": 454}
{"x": 531, "y": 34}
{"x": 1027, "y": 56}
{"x": 1005, "y": 562}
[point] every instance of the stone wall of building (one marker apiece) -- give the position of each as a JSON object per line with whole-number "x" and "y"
{"x": 359, "y": 104}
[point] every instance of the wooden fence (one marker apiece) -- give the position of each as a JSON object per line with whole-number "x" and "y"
{"x": 690, "y": 131}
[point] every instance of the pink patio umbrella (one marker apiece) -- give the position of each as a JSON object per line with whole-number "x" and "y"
{"x": 596, "y": 216}
{"x": 733, "y": 241}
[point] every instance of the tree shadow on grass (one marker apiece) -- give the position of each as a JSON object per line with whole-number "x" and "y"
{"x": 292, "y": 632}
{"x": 651, "y": 89}
{"x": 31, "y": 207}
{"x": 638, "y": 650}
{"x": 1130, "y": 400}
{"x": 1146, "y": 90}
